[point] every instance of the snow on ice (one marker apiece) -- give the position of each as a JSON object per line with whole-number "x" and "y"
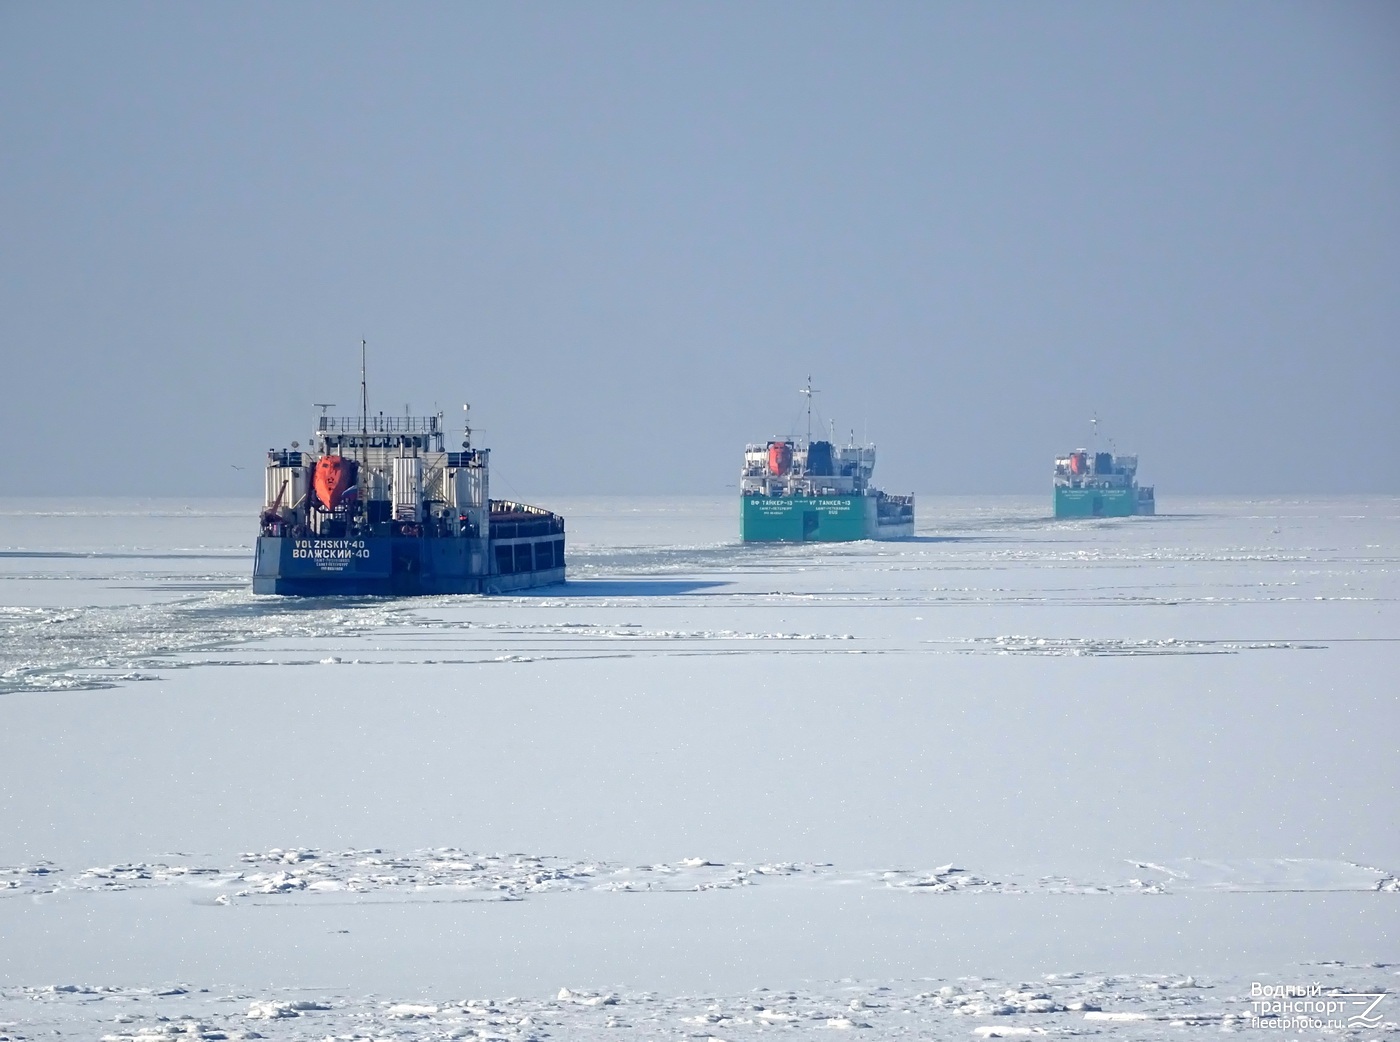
{"x": 1013, "y": 777}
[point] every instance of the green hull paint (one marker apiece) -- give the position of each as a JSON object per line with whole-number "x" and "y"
{"x": 796, "y": 519}
{"x": 1095, "y": 502}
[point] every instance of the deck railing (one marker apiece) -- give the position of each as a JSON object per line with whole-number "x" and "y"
{"x": 380, "y": 424}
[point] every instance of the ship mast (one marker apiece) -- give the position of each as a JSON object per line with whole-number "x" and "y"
{"x": 364, "y": 409}
{"x": 807, "y": 392}
{"x": 364, "y": 396}
{"x": 325, "y": 407}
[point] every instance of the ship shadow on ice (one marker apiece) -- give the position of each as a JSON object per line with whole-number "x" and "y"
{"x": 625, "y": 588}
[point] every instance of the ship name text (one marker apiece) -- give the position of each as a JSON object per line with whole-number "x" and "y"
{"x": 330, "y": 549}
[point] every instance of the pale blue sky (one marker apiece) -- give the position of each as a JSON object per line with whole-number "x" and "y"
{"x": 627, "y": 232}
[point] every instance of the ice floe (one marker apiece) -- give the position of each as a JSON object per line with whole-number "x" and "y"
{"x": 447, "y": 873}
{"x": 1136, "y": 1006}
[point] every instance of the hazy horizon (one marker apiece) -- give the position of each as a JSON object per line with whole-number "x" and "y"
{"x": 628, "y": 233}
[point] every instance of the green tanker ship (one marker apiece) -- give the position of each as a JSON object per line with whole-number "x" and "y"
{"x": 801, "y": 490}
{"x": 1100, "y": 484}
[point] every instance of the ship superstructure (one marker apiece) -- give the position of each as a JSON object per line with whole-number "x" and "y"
{"x": 796, "y": 489}
{"x": 380, "y": 506}
{"x": 1100, "y": 484}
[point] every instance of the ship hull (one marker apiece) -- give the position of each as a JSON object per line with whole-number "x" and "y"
{"x": 400, "y": 567}
{"x": 819, "y": 519}
{"x": 1099, "y": 502}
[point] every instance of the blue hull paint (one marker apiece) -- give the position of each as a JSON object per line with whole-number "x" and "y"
{"x": 398, "y": 567}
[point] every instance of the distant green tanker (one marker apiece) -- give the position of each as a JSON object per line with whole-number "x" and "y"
{"x": 799, "y": 490}
{"x": 1100, "y": 484}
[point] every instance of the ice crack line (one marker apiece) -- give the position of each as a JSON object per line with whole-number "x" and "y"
{"x": 1105, "y": 646}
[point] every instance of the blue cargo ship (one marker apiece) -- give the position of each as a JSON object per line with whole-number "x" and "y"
{"x": 380, "y": 507}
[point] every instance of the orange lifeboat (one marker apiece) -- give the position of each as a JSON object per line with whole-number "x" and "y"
{"x": 334, "y": 480}
{"x": 1078, "y": 462}
{"x": 779, "y": 457}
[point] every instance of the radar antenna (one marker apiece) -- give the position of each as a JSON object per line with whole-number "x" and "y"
{"x": 323, "y": 406}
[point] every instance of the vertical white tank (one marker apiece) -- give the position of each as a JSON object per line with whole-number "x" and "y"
{"x": 376, "y": 484}
{"x": 472, "y": 492}
{"x": 285, "y": 489}
{"x": 408, "y": 488}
